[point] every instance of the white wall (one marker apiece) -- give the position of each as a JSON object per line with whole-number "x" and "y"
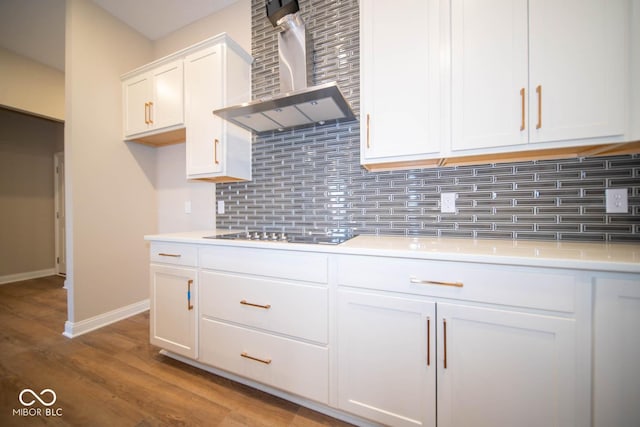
{"x": 173, "y": 189}
{"x": 29, "y": 86}
{"x": 235, "y": 20}
{"x": 111, "y": 201}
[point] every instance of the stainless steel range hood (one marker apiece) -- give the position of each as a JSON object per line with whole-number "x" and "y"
{"x": 297, "y": 105}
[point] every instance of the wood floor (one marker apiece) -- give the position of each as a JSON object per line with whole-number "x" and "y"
{"x": 113, "y": 376}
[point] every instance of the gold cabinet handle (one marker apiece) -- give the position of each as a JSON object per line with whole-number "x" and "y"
{"x": 417, "y": 281}
{"x": 428, "y": 341}
{"x": 444, "y": 330}
{"x": 266, "y": 307}
{"x": 368, "y": 127}
{"x": 257, "y": 359}
{"x": 146, "y": 113}
{"x": 189, "y": 305}
{"x": 215, "y": 151}
{"x": 150, "y": 112}
{"x": 539, "y": 92}
{"x": 170, "y": 255}
{"x": 522, "y": 96}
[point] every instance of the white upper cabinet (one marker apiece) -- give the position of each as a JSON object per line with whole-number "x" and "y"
{"x": 537, "y": 72}
{"x": 153, "y": 100}
{"x": 489, "y": 73}
{"x": 217, "y": 150}
{"x": 398, "y": 77}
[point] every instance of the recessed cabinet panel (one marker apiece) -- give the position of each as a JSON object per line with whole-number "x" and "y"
{"x": 154, "y": 101}
{"x": 137, "y": 92}
{"x": 525, "y": 73}
{"x": 296, "y": 367}
{"x": 489, "y": 73}
{"x": 216, "y": 150}
{"x": 577, "y": 69}
{"x": 505, "y": 368}
{"x": 398, "y": 86}
{"x": 616, "y": 381}
{"x": 387, "y": 358}
{"x": 173, "y": 320}
{"x": 204, "y": 93}
{"x": 271, "y": 305}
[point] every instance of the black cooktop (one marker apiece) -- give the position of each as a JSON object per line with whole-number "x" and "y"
{"x": 264, "y": 236}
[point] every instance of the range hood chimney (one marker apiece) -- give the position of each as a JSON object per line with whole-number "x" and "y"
{"x": 298, "y": 104}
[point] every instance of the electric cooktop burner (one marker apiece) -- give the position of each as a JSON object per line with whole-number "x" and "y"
{"x": 264, "y": 236}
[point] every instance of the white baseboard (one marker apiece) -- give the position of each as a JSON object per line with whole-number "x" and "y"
{"x": 27, "y": 276}
{"x": 75, "y": 329}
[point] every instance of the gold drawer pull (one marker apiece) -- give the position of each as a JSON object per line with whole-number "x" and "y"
{"x": 434, "y": 282}
{"x": 257, "y": 359}
{"x": 170, "y": 255}
{"x": 266, "y": 307}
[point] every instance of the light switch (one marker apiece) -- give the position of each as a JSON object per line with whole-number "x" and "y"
{"x": 187, "y": 207}
{"x": 616, "y": 200}
{"x": 220, "y": 206}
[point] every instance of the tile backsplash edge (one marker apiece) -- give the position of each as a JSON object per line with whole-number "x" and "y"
{"x": 311, "y": 180}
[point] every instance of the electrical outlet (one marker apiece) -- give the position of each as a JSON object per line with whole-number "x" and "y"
{"x": 187, "y": 207}
{"x": 220, "y": 206}
{"x": 448, "y": 202}
{"x": 616, "y": 200}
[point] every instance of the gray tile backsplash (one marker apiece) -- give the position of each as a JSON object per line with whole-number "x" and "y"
{"x": 311, "y": 179}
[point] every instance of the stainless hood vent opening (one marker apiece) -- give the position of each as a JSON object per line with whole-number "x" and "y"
{"x": 298, "y": 105}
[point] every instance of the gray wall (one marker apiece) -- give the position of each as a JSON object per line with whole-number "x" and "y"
{"x": 312, "y": 179}
{"x": 27, "y": 234}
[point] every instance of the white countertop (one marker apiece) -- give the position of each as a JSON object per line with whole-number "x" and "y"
{"x": 612, "y": 257}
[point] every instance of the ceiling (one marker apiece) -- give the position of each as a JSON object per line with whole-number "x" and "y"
{"x": 35, "y": 28}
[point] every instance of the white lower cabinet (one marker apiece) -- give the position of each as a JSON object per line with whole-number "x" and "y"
{"x": 616, "y": 352}
{"x": 173, "y": 320}
{"x": 266, "y": 320}
{"x": 387, "y": 358}
{"x": 291, "y": 365}
{"x": 442, "y": 353}
{"x": 504, "y": 368}
{"x": 407, "y": 342}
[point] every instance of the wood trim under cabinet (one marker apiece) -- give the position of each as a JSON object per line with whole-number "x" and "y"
{"x": 176, "y": 136}
{"x": 516, "y": 156}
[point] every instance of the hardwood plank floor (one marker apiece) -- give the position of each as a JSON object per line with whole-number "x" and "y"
{"x": 113, "y": 376}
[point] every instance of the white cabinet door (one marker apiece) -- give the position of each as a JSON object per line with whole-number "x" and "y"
{"x": 154, "y": 100}
{"x": 173, "y": 309}
{"x": 397, "y": 77}
{"x": 616, "y": 353}
{"x": 577, "y": 69}
{"x": 137, "y": 92}
{"x": 489, "y": 73}
{"x": 204, "y": 93}
{"x": 501, "y": 368}
{"x": 386, "y": 358}
{"x": 215, "y": 149}
{"x": 537, "y": 72}
{"x": 168, "y": 100}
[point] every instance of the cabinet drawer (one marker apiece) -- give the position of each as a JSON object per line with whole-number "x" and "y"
{"x": 174, "y": 253}
{"x": 291, "y": 309}
{"x": 295, "y": 367}
{"x": 263, "y": 262}
{"x": 515, "y": 286}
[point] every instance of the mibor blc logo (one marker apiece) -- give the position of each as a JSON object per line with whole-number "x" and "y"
{"x": 32, "y": 402}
